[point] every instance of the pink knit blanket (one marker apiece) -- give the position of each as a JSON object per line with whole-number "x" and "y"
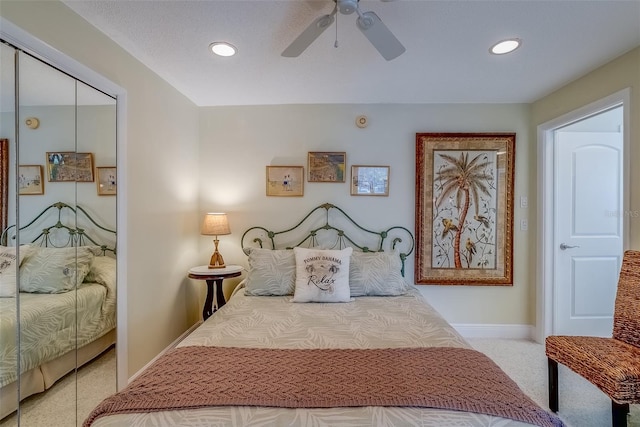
{"x": 440, "y": 377}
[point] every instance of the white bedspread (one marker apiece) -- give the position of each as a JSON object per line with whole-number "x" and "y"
{"x": 368, "y": 322}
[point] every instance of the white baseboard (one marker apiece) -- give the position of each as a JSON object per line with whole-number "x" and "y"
{"x": 169, "y": 347}
{"x": 525, "y": 332}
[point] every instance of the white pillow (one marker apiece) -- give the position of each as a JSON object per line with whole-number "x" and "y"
{"x": 54, "y": 270}
{"x": 271, "y": 272}
{"x": 322, "y": 275}
{"x": 8, "y": 265}
{"x": 376, "y": 273}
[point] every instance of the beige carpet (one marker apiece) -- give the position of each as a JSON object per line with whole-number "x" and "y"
{"x": 57, "y": 407}
{"x": 581, "y": 404}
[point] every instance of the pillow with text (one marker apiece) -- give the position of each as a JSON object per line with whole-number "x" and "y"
{"x": 322, "y": 275}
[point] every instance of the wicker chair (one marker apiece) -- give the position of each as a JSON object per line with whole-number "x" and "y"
{"x": 612, "y": 364}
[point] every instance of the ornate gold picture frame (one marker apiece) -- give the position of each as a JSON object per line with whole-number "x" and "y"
{"x": 464, "y": 208}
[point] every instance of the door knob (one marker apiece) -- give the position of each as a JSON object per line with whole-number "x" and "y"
{"x": 564, "y": 246}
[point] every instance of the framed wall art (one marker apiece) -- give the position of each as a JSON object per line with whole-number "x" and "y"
{"x": 285, "y": 181}
{"x": 327, "y": 166}
{"x": 107, "y": 180}
{"x": 464, "y": 208}
{"x": 30, "y": 180}
{"x": 69, "y": 166}
{"x": 369, "y": 180}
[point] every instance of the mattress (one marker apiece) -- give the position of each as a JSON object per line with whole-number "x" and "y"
{"x": 274, "y": 322}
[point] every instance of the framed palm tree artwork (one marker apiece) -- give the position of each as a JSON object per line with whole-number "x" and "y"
{"x": 464, "y": 208}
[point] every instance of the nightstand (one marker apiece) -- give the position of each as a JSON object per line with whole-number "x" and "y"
{"x": 214, "y": 278}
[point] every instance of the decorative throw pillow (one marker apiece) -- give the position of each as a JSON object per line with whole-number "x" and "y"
{"x": 271, "y": 272}
{"x": 54, "y": 270}
{"x": 322, "y": 275}
{"x": 9, "y": 263}
{"x": 376, "y": 273}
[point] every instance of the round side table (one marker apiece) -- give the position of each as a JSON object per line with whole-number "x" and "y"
{"x": 214, "y": 278}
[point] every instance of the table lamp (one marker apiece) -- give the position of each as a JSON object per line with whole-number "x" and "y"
{"x": 215, "y": 224}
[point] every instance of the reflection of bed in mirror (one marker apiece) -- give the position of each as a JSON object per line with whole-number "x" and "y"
{"x": 64, "y": 246}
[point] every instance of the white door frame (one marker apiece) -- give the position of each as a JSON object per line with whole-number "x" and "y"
{"x": 544, "y": 283}
{"x": 27, "y": 42}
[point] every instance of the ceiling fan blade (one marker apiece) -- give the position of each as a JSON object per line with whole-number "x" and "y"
{"x": 379, "y": 35}
{"x": 309, "y": 35}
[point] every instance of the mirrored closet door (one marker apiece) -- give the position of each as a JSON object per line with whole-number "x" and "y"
{"x": 57, "y": 330}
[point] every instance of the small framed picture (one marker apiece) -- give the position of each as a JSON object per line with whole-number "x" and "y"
{"x": 327, "y": 166}
{"x": 107, "y": 181}
{"x": 285, "y": 181}
{"x": 30, "y": 180}
{"x": 69, "y": 166}
{"x": 369, "y": 180}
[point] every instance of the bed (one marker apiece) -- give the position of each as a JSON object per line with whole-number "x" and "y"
{"x": 279, "y": 353}
{"x": 56, "y": 316}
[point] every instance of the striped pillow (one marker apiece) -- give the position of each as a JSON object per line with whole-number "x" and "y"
{"x": 55, "y": 270}
{"x": 271, "y": 272}
{"x": 376, "y": 273}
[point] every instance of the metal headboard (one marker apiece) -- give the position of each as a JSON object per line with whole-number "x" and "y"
{"x": 392, "y": 238}
{"x": 75, "y": 235}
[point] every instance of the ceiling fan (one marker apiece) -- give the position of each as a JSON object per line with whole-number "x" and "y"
{"x": 368, "y": 22}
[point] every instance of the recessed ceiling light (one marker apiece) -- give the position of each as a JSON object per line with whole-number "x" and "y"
{"x": 505, "y": 46}
{"x": 223, "y": 48}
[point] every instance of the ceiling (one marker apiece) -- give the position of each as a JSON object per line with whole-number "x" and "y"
{"x": 446, "y": 59}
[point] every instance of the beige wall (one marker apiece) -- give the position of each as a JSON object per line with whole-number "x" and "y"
{"x": 255, "y": 137}
{"x": 161, "y": 150}
{"x": 621, "y": 73}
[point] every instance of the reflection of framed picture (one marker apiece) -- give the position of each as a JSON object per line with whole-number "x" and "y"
{"x": 106, "y": 179}
{"x": 286, "y": 181}
{"x": 70, "y": 167}
{"x": 30, "y": 180}
{"x": 327, "y": 166}
{"x": 369, "y": 180}
{"x": 464, "y": 208}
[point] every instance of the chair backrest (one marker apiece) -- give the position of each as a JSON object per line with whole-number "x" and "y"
{"x": 626, "y": 317}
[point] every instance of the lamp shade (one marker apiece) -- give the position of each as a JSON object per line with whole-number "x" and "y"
{"x": 215, "y": 224}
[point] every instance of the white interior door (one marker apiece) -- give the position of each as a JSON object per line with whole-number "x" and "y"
{"x": 589, "y": 223}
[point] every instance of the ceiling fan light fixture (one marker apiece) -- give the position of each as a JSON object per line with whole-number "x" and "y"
{"x": 505, "y": 46}
{"x": 347, "y": 7}
{"x": 368, "y": 23}
{"x": 223, "y": 48}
